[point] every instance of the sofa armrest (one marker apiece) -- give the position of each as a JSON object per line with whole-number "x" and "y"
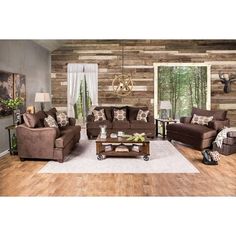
{"x": 218, "y": 124}
{"x": 35, "y": 142}
{"x": 185, "y": 119}
{"x": 72, "y": 121}
{"x": 90, "y": 118}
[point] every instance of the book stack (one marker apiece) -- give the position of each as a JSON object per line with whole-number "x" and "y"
{"x": 122, "y": 148}
{"x": 135, "y": 148}
{"x": 108, "y": 148}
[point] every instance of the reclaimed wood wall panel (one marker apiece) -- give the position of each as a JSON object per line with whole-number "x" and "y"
{"x": 139, "y": 56}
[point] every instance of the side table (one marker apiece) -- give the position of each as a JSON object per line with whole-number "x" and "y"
{"x": 10, "y": 128}
{"x": 163, "y": 122}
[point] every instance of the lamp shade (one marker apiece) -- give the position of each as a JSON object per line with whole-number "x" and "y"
{"x": 42, "y": 97}
{"x": 165, "y": 105}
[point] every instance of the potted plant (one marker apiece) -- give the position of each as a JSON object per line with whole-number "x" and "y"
{"x": 14, "y": 105}
{"x": 137, "y": 137}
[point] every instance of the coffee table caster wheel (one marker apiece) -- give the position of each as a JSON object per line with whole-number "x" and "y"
{"x": 146, "y": 158}
{"x": 99, "y": 157}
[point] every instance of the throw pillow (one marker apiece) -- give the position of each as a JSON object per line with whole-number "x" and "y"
{"x": 40, "y": 116}
{"x": 62, "y": 119}
{"x": 99, "y": 115}
{"x": 119, "y": 114}
{"x": 201, "y": 120}
{"x": 52, "y": 112}
{"x": 30, "y": 120}
{"x": 50, "y": 122}
{"x": 142, "y": 115}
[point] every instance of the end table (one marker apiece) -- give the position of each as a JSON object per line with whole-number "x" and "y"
{"x": 163, "y": 122}
{"x": 12, "y": 150}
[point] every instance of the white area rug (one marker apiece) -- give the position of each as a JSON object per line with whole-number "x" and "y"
{"x": 164, "y": 158}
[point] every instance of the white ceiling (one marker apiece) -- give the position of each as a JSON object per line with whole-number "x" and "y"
{"x": 51, "y": 44}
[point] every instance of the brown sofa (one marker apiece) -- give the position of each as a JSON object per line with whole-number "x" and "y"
{"x": 198, "y": 136}
{"x": 42, "y": 142}
{"x": 129, "y": 126}
{"x": 228, "y": 146}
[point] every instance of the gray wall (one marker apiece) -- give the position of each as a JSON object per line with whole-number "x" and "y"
{"x": 28, "y": 58}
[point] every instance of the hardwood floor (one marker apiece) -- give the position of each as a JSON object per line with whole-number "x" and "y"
{"x": 22, "y": 179}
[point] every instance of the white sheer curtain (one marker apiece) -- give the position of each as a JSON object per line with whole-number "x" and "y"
{"x": 75, "y": 74}
{"x": 91, "y": 72}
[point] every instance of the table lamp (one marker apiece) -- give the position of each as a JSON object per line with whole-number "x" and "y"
{"x": 42, "y": 98}
{"x": 166, "y": 107}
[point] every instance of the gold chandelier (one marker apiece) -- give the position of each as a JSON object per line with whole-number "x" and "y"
{"x": 122, "y": 84}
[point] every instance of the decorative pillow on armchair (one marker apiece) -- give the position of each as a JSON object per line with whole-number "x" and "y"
{"x": 201, "y": 120}
{"x": 62, "y": 119}
{"x": 142, "y": 115}
{"x": 99, "y": 115}
{"x": 119, "y": 114}
{"x": 30, "y": 120}
{"x": 50, "y": 122}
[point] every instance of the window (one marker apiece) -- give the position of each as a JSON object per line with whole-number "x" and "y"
{"x": 184, "y": 85}
{"x": 82, "y": 90}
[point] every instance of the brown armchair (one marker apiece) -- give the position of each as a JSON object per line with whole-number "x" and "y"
{"x": 198, "y": 136}
{"x": 44, "y": 142}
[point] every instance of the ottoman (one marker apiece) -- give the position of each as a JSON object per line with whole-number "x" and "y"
{"x": 228, "y": 146}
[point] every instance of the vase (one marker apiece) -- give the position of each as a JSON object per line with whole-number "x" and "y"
{"x": 103, "y": 131}
{"x": 16, "y": 117}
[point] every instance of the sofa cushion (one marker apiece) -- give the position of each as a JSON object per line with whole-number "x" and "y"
{"x": 99, "y": 115}
{"x": 30, "y": 120}
{"x": 217, "y": 114}
{"x": 62, "y": 119}
{"x": 76, "y": 129}
{"x": 95, "y": 125}
{"x": 66, "y": 136}
{"x": 138, "y": 124}
{"x": 142, "y": 115}
{"x": 192, "y": 130}
{"x": 133, "y": 112}
{"x": 119, "y": 114}
{"x": 121, "y": 124}
{"x": 201, "y": 120}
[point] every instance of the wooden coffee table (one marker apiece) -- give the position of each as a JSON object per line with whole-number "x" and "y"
{"x": 114, "y": 142}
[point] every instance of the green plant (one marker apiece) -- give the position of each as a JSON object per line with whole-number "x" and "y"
{"x": 12, "y": 103}
{"x": 84, "y": 101}
{"x": 136, "y": 137}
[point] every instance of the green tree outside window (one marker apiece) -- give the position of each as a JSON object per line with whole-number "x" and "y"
{"x": 83, "y": 103}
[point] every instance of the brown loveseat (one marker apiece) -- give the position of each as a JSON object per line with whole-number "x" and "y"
{"x": 129, "y": 126}
{"x": 42, "y": 142}
{"x": 198, "y": 136}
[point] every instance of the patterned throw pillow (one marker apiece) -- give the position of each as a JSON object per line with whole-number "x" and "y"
{"x": 62, "y": 119}
{"x": 99, "y": 115}
{"x": 142, "y": 115}
{"x": 50, "y": 122}
{"x": 119, "y": 114}
{"x": 201, "y": 120}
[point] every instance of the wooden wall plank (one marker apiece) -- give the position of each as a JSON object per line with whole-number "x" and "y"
{"x": 139, "y": 56}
